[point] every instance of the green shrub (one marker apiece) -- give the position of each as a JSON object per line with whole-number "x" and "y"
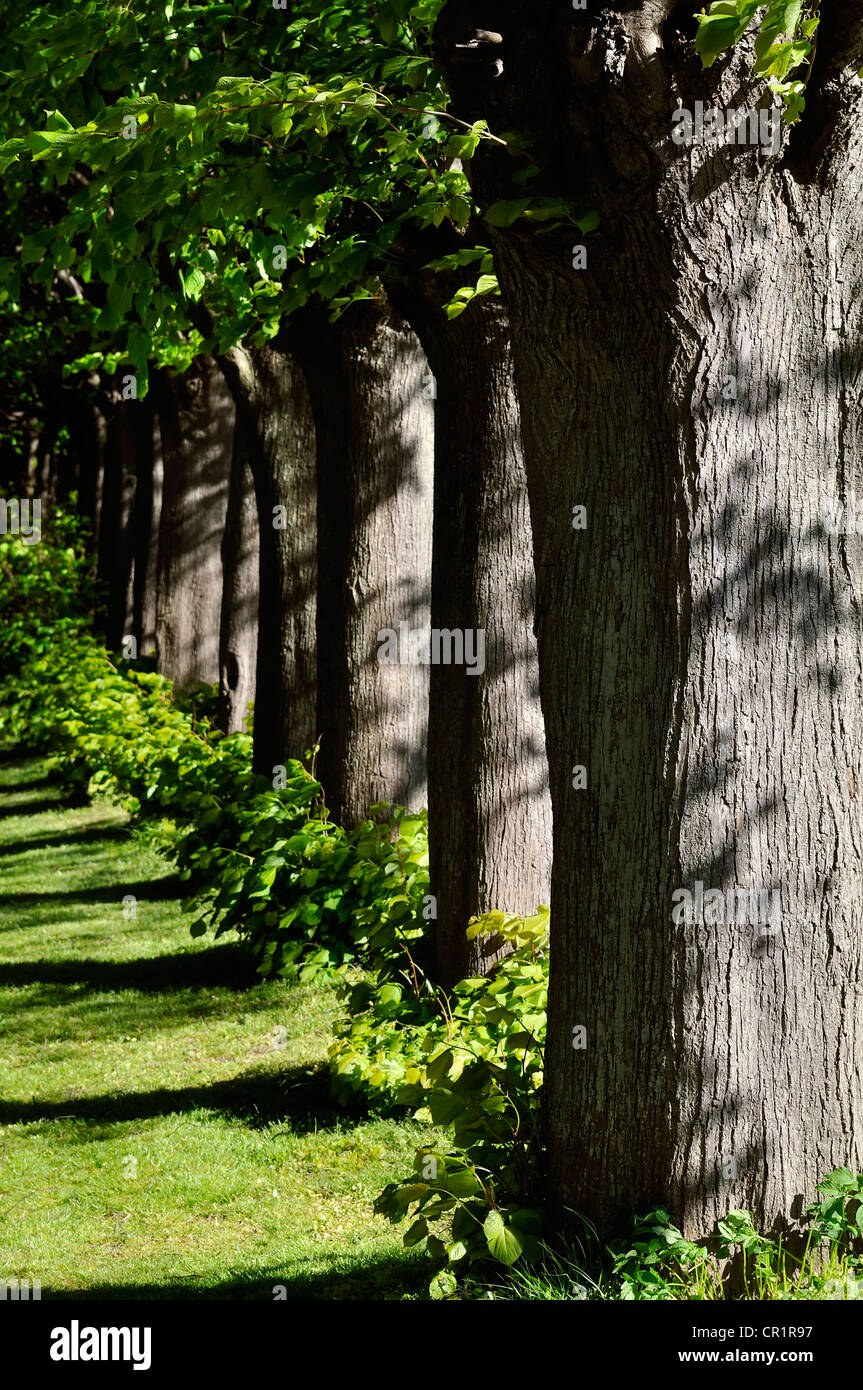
{"x": 656, "y": 1263}
{"x": 476, "y": 1071}
{"x": 305, "y": 894}
{"x": 45, "y": 593}
{"x": 308, "y": 897}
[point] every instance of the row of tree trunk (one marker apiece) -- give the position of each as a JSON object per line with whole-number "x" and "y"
{"x": 264, "y": 521}
{"x": 692, "y": 380}
{"x": 690, "y": 387}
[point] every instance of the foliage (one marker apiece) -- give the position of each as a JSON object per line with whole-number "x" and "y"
{"x": 475, "y": 1071}
{"x": 265, "y": 860}
{"x": 228, "y": 1194}
{"x": 785, "y": 41}
{"x": 839, "y": 1215}
{"x": 312, "y": 899}
{"x": 656, "y": 1263}
{"x": 209, "y": 172}
{"x": 44, "y": 592}
{"x": 304, "y": 893}
{"x": 659, "y": 1263}
{"x": 183, "y": 178}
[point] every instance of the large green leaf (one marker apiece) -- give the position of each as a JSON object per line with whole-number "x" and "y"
{"x": 504, "y": 1242}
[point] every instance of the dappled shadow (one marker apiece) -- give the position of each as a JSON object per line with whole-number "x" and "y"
{"x": 385, "y": 1278}
{"x": 299, "y": 1095}
{"x": 148, "y": 890}
{"x": 64, "y": 801}
{"x": 226, "y": 967}
{"x": 723, "y": 616}
{"x": 104, "y": 1019}
{"x": 31, "y": 785}
{"x": 87, "y": 834}
{"x": 9, "y": 756}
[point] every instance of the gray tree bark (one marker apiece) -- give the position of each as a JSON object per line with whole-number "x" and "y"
{"x": 92, "y": 467}
{"x": 275, "y": 414}
{"x": 697, "y": 389}
{"x": 127, "y": 466}
{"x": 238, "y": 640}
{"x": 144, "y": 523}
{"x": 489, "y": 803}
{"x": 196, "y": 415}
{"x": 375, "y": 439}
{"x": 147, "y": 551}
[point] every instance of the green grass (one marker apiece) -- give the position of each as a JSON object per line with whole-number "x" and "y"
{"x": 166, "y": 1128}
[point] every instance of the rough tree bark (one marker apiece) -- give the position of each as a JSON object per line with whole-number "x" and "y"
{"x": 144, "y": 518}
{"x": 90, "y": 453}
{"x": 274, "y": 411}
{"x": 196, "y": 416}
{"x": 375, "y": 438}
{"x": 71, "y": 469}
{"x": 238, "y": 640}
{"x": 147, "y": 544}
{"x": 127, "y": 447}
{"x": 697, "y": 389}
{"x": 488, "y": 801}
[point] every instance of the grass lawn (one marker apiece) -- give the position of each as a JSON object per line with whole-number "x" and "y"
{"x": 166, "y": 1128}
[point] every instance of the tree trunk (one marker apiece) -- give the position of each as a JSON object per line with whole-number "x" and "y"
{"x": 238, "y": 644}
{"x": 91, "y": 464}
{"x": 147, "y": 546}
{"x": 697, "y": 390}
{"x": 374, "y": 425}
{"x": 45, "y": 473}
{"x": 144, "y": 521}
{"x": 489, "y": 804}
{"x": 117, "y": 531}
{"x": 274, "y": 410}
{"x": 76, "y": 411}
{"x": 196, "y": 416}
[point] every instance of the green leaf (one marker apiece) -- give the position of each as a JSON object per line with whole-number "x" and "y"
{"x": 440, "y": 1066}
{"x": 193, "y": 285}
{"x": 443, "y": 1285}
{"x": 781, "y": 18}
{"x": 34, "y": 247}
{"x": 417, "y": 1232}
{"x": 445, "y": 1108}
{"x": 504, "y": 1243}
{"x": 283, "y": 122}
{"x": 57, "y": 121}
{"x": 837, "y": 1183}
{"x": 587, "y": 222}
{"x": 725, "y": 22}
{"x": 463, "y": 1182}
{"x": 505, "y": 212}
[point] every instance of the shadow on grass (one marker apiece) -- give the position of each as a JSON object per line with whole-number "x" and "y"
{"x": 85, "y": 834}
{"x": 62, "y": 802}
{"x": 299, "y": 1095}
{"x": 27, "y": 785}
{"x": 23, "y": 757}
{"x": 383, "y": 1279}
{"x": 149, "y": 890}
{"x": 225, "y": 967}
